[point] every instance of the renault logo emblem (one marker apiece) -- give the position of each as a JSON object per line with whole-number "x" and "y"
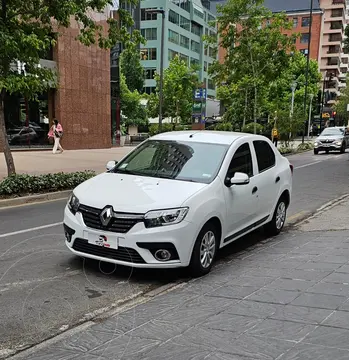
{"x": 106, "y": 215}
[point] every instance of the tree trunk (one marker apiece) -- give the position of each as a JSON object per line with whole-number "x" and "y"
{"x": 3, "y": 138}
{"x": 255, "y": 110}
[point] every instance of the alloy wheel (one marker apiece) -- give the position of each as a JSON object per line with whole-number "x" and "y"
{"x": 207, "y": 249}
{"x": 280, "y": 215}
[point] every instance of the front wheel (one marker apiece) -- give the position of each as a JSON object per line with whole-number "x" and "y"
{"x": 316, "y": 151}
{"x": 342, "y": 148}
{"x": 277, "y": 223}
{"x": 204, "y": 252}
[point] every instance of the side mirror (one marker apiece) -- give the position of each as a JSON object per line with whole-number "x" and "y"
{"x": 240, "y": 179}
{"x": 111, "y": 165}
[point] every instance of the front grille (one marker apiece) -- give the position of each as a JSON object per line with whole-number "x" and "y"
{"x": 122, "y": 253}
{"x": 92, "y": 220}
{"x": 327, "y": 141}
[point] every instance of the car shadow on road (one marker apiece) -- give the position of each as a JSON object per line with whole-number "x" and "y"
{"x": 165, "y": 276}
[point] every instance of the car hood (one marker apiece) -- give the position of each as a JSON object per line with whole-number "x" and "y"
{"x": 332, "y": 137}
{"x": 135, "y": 194}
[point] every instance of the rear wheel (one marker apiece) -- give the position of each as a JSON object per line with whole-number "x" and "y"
{"x": 316, "y": 151}
{"x": 277, "y": 223}
{"x": 204, "y": 251}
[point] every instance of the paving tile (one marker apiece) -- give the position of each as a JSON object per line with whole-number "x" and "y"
{"x": 344, "y": 306}
{"x": 314, "y": 352}
{"x": 288, "y": 284}
{"x": 256, "y": 309}
{"x": 322, "y": 301}
{"x": 198, "y": 310}
{"x": 330, "y": 289}
{"x": 159, "y": 330}
{"x": 125, "y": 347}
{"x": 337, "y": 277}
{"x": 172, "y": 351}
{"x": 235, "y": 324}
{"x": 257, "y": 281}
{"x": 223, "y": 356}
{"x": 329, "y": 336}
{"x": 275, "y": 273}
{"x": 54, "y": 354}
{"x": 301, "y": 314}
{"x": 343, "y": 269}
{"x": 318, "y": 265}
{"x": 86, "y": 340}
{"x": 338, "y": 319}
{"x": 274, "y": 296}
{"x": 283, "y": 330}
{"x": 233, "y": 292}
{"x": 306, "y": 275}
{"x": 335, "y": 259}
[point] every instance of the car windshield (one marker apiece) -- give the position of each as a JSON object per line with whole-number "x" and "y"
{"x": 186, "y": 161}
{"x": 333, "y": 131}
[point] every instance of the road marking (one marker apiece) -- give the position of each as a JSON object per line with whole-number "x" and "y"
{"x": 310, "y": 164}
{"x": 30, "y": 229}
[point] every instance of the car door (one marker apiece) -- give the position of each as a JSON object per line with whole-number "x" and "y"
{"x": 268, "y": 178}
{"x": 241, "y": 200}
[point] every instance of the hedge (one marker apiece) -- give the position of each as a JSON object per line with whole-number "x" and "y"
{"x": 23, "y": 184}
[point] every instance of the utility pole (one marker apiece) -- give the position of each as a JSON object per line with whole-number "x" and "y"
{"x": 309, "y": 120}
{"x": 307, "y": 68}
{"x": 293, "y": 88}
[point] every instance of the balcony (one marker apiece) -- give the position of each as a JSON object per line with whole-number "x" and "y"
{"x": 336, "y": 4}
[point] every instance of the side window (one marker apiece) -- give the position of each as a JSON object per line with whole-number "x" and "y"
{"x": 265, "y": 155}
{"x": 241, "y": 162}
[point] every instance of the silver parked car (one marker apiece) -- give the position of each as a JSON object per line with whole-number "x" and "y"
{"x": 332, "y": 138}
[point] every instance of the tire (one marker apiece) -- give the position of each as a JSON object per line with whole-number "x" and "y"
{"x": 207, "y": 234}
{"x": 327, "y": 151}
{"x": 316, "y": 151}
{"x": 342, "y": 151}
{"x": 275, "y": 226}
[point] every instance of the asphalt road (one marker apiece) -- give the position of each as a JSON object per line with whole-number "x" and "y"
{"x": 44, "y": 288}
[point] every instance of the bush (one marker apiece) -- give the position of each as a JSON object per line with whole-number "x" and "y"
{"x": 167, "y": 127}
{"x": 249, "y": 128}
{"x": 17, "y": 185}
{"x": 224, "y": 126}
{"x": 286, "y": 150}
{"x": 305, "y": 146}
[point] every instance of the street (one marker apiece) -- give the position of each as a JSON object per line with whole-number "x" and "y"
{"x": 45, "y": 289}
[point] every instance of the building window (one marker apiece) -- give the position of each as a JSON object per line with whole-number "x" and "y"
{"x": 149, "y": 73}
{"x": 295, "y": 22}
{"x": 173, "y": 17}
{"x": 205, "y": 66}
{"x": 149, "y": 89}
{"x": 210, "y": 18}
{"x": 150, "y": 33}
{"x": 195, "y": 46}
{"x": 184, "y": 58}
{"x": 212, "y": 53}
{"x": 304, "y": 38}
{"x": 205, "y": 51}
{"x": 172, "y": 54}
{"x": 173, "y": 37}
{"x": 198, "y": 13}
{"x": 304, "y": 51}
{"x": 185, "y": 42}
{"x": 194, "y": 62}
{"x": 305, "y": 21}
{"x": 196, "y": 28}
{"x": 210, "y": 84}
{"x": 148, "y": 16}
{"x": 184, "y": 4}
{"x": 185, "y": 23}
{"x": 148, "y": 54}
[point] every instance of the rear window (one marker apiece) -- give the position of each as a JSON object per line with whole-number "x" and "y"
{"x": 265, "y": 155}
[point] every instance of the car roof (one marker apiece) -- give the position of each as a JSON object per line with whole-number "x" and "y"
{"x": 204, "y": 136}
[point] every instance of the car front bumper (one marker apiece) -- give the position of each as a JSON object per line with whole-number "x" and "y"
{"x": 136, "y": 247}
{"x": 326, "y": 147}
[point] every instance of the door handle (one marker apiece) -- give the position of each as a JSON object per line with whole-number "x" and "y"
{"x": 277, "y": 179}
{"x": 254, "y": 190}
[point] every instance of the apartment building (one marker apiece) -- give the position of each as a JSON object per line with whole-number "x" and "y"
{"x": 185, "y": 23}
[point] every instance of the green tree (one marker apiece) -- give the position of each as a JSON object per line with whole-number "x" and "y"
{"x": 29, "y": 28}
{"x": 131, "y": 68}
{"x": 341, "y": 106}
{"x": 256, "y": 51}
{"x": 346, "y": 41}
{"x": 180, "y": 81}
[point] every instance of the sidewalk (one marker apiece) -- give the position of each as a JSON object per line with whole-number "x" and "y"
{"x": 283, "y": 298}
{"x": 39, "y": 162}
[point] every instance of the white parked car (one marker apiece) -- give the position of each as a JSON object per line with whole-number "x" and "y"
{"x": 177, "y": 198}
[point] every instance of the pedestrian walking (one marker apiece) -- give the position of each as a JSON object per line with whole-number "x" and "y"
{"x": 56, "y": 132}
{"x": 275, "y": 136}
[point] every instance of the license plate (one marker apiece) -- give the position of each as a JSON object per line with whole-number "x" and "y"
{"x": 107, "y": 241}
{"x": 326, "y": 145}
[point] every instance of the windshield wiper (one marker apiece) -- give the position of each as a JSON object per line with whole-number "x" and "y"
{"x": 125, "y": 171}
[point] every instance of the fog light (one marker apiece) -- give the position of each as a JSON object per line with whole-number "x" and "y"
{"x": 68, "y": 232}
{"x": 162, "y": 255}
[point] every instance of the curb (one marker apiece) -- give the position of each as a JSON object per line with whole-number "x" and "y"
{"x": 307, "y": 215}
{"x": 28, "y": 200}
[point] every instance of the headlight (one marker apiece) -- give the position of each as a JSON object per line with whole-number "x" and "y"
{"x": 316, "y": 143}
{"x": 164, "y": 217}
{"x": 339, "y": 142}
{"x": 73, "y": 204}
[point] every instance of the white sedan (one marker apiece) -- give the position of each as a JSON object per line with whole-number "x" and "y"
{"x": 177, "y": 198}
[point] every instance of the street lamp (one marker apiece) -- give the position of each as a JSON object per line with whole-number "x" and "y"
{"x": 161, "y": 97}
{"x": 311, "y": 103}
{"x": 293, "y": 88}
